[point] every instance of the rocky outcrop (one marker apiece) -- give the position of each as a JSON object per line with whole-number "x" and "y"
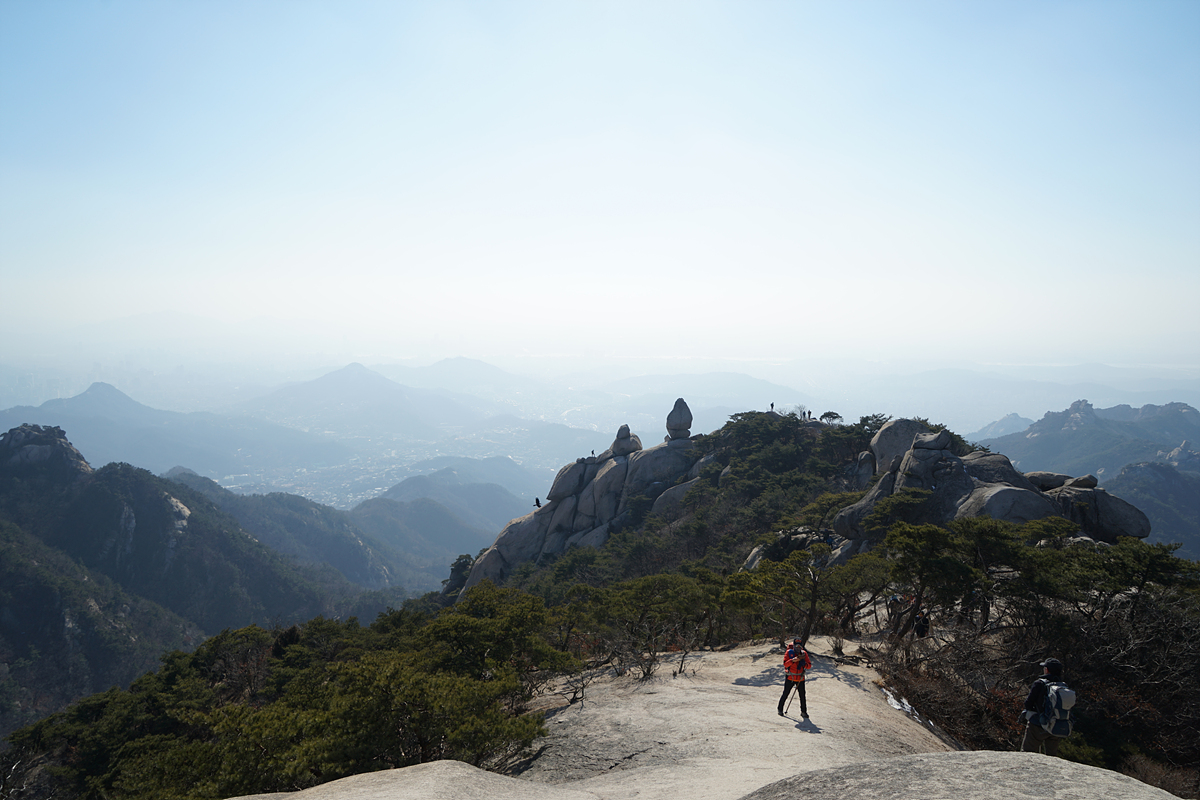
{"x": 625, "y": 443}
{"x": 1045, "y": 481}
{"x": 985, "y": 484}
{"x": 679, "y": 421}
{"x": 590, "y": 498}
{"x": 1184, "y": 457}
{"x": 996, "y": 468}
{"x": 1102, "y": 516}
{"x": 864, "y": 469}
{"x": 893, "y": 440}
{"x": 979, "y": 775}
{"x": 45, "y": 449}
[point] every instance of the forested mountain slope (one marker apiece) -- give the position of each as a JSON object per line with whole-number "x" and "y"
{"x": 104, "y": 570}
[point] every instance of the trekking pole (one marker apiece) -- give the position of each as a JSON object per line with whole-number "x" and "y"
{"x": 789, "y": 705}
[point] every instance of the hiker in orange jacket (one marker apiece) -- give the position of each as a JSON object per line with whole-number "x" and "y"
{"x": 796, "y": 661}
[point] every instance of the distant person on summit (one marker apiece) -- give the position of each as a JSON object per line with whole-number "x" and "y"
{"x": 796, "y": 661}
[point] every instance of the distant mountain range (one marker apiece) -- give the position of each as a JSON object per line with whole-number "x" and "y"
{"x": 355, "y": 402}
{"x": 1083, "y": 439}
{"x": 112, "y": 427}
{"x": 1012, "y": 423}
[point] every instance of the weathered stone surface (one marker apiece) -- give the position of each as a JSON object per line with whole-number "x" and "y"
{"x": 848, "y": 522}
{"x": 895, "y": 438}
{"x": 670, "y": 502}
{"x": 1083, "y": 482}
{"x": 568, "y": 481}
{"x": 679, "y": 421}
{"x": 435, "y": 780}
{"x": 932, "y": 441}
{"x": 1007, "y": 503}
{"x": 1046, "y": 480}
{"x": 606, "y": 488}
{"x": 626, "y": 442}
{"x": 593, "y": 538}
{"x": 694, "y": 472}
{"x": 563, "y": 515}
{"x": 1101, "y": 515}
{"x": 657, "y": 465}
{"x": 995, "y": 468}
{"x": 941, "y": 472}
{"x": 34, "y": 446}
{"x": 978, "y": 775}
{"x": 489, "y": 566}
{"x": 864, "y": 469}
{"x": 724, "y": 477}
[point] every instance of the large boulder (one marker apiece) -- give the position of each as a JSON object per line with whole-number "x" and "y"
{"x": 848, "y": 523}
{"x": 521, "y": 540}
{"x": 679, "y": 421}
{"x": 1009, "y": 503}
{"x": 568, "y": 481}
{"x": 670, "y": 502}
{"x": 601, "y": 497}
{"x": 626, "y": 442}
{"x": 995, "y": 468}
{"x": 1045, "y": 481}
{"x": 651, "y": 471}
{"x": 931, "y": 465}
{"x": 969, "y": 775}
{"x": 895, "y": 438}
{"x": 1102, "y": 516}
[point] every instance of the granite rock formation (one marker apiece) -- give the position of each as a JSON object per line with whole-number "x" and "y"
{"x": 590, "y": 498}
{"x": 34, "y": 448}
{"x": 982, "y": 484}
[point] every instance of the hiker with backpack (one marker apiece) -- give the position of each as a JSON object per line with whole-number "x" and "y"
{"x": 796, "y": 661}
{"x": 1047, "y": 712}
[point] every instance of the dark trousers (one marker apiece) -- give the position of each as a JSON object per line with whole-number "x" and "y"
{"x": 787, "y": 688}
{"x": 1036, "y": 739}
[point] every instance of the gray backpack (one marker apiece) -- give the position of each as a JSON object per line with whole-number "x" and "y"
{"x": 1056, "y": 716}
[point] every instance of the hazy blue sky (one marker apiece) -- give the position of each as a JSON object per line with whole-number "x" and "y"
{"x": 1011, "y": 180}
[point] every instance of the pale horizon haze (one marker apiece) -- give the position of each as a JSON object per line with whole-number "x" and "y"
{"x": 930, "y": 181}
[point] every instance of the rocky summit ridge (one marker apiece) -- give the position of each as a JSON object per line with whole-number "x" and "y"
{"x": 592, "y": 497}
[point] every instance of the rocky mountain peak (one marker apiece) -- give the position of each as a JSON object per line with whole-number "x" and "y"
{"x": 1079, "y": 414}
{"x": 34, "y": 447}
